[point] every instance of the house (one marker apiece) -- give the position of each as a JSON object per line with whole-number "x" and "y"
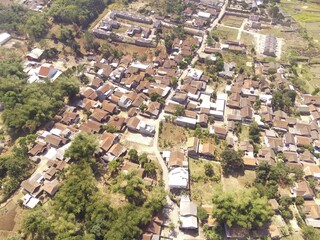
{"x": 124, "y": 102}
{"x": 206, "y": 150}
{"x": 302, "y": 189}
{"x": 179, "y": 178}
{"x": 109, "y": 107}
{"x": 91, "y": 127}
{"x": 186, "y": 122}
{"x": 311, "y": 170}
{"x": 188, "y": 214}
{"x": 246, "y": 114}
{"x": 270, "y": 46}
{"x": 192, "y": 146}
{"x": 32, "y": 186}
{"x": 47, "y": 70}
{"x": 107, "y": 140}
{"x": 220, "y": 131}
{"x": 96, "y": 83}
{"x": 249, "y": 162}
{"x": 90, "y": 93}
{"x": 130, "y": 166}
{"x": 117, "y": 122}
{"x": 117, "y": 150}
{"x": 303, "y": 141}
{"x": 228, "y": 70}
{"x": 312, "y": 213}
{"x": 99, "y": 115}
{"x": 53, "y": 140}
{"x": 176, "y": 159}
{"x": 70, "y": 118}
{"x": 4, "y": 37}
{"x": 153, "y": 230}
{"x": 38, "y": 148}
{"x": 51, "y": 187}
{"x": 134, "y": 124}
{"x": 35, "y": 55}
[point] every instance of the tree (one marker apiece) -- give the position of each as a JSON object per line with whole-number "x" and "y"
{"x": 133, "y": 156}
{"x": 254, "y": 133}
{"x": 245, "y": 209}
{"x": 208, "y": 170}
{"x": 143, "y": 159}
{"x": 37, "y": 26}
{"x": 154, "y": 96}
{"x": 202, "y": 214}
{"x": 150, "y": 169}
{"x": 143, "y": 107}
{"x": 310, "y": 233}
{"x": 83, "y": 147}
{"x": 219, "y": 64}
{"x": 179, "y": 110}
{"x": 231, "y": 160}
{"x": 109, "y": 128}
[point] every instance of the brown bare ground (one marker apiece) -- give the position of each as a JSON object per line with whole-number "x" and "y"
{"x": 172, "y": 136}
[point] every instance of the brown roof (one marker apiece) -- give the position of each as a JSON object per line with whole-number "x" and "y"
{"x": 109, "y": 106}
{"x": 107, "y": 140}
{"x": 133, "y": 122}
{"x": 91, "y": 127}
{"x": 176, "y": 159}
{"x": 249, "y": 161}
{"x": 117, "y": 122}
{"x": 38, "y": 147}
{"x": 96, "y": 82}
{"x": 303, "y": 188}
{"x": 51, "y": 187}
{"x": 220, "y": 130}
{"x": 30, "y": 186}
{"x": 44, "y": 70}
{"x": 280, "y": 124}
{"x": 190, "y": 114}
{"x": 303, "y": 141}
{"x": 311, "y": 209}
{"x": 90, "y": 94}
{"x": 130, "y": 166}
{"x": 99, "y": 115}
{"x": 207, "y": 149}
{"x": 53, "y": 140}
{"x": 117, "y": 150}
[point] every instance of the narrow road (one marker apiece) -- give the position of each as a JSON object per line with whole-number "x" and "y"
{"x": 172, "y": 209}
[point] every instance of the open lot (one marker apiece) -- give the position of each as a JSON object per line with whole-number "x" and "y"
{"x": 172, "y": 136}
{"x": 200, "y": 183}
{"x": 227, "y": 33}
{"x": 238, "y": 183}
{"x": 232, "y": 21}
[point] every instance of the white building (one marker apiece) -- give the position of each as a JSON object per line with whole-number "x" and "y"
{"x": 188, "y": 213}
{"x": 4, "y": 37}
{"x": 179, "y": 178}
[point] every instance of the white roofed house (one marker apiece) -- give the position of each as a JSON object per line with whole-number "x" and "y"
{"x": 188, "y": 214}
{"x": 35, "y": 54}
{"x": 179, "y": 178}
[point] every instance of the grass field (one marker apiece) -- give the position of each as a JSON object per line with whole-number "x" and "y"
{"x": 232, "y": 183}
{"x": 232, "y": 21}
{"x": 227, "y": 33}
{"x": 202, "y": 188}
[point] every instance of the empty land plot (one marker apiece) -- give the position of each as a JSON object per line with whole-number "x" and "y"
{"x": 227, "y": 33}
{"x": 172, "y": 136}
{"x": 232, "y": 21}
{"x": 232, "y": 183}
{"x": 315, "y": 75}
{"x": 202, "y": 187}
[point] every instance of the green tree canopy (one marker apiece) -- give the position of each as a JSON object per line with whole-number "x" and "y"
{"x": 231, "y": 160}
{"x": 246, "y": 209}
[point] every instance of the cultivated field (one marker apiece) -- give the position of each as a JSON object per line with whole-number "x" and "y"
{"x": 307, "y": 14}
{"x": 227, "y": 33}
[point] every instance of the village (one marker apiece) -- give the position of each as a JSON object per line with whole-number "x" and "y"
{"x": 132, "y": 104}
